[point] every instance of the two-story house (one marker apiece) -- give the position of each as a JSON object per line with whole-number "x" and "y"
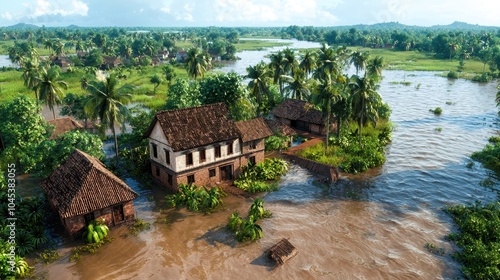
{"x": 202, "y": 145}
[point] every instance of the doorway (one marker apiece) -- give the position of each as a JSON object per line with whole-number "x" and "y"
{"x": 226, "y": 172}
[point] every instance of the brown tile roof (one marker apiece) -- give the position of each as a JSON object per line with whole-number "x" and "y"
{"x": 280, "y": 128}
{"x": 63, "y": 125}
{"x": 81, "y": 184}
{"x": 196, "y": 126}
{"x": 294, "y": 109}
{"x": 253, "y": 129}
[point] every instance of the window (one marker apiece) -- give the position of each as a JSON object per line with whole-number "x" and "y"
{"x": 157, "y": 171}
{"x": 189, "y": 159}
{"x": 167, "y": 156}
{"x": 251, "y": 160}
{"x": 217, "y": 151}
{"x": 155, "y": 150}
{"x": 169, "y": 179}
{"x": 230, "y": 148}
{"x": 252, "y": 145}
{"x": 211, "y": 173}
{"x": 203, "y": 156}
{"x": 89, "y": 217}
{"x": 190, "y": 179}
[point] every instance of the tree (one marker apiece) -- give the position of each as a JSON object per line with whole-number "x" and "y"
{"x": 31, "y": 74}
{"x": 197, "y": 63}
{"x": 308, "y": 62}
{"x": 183, "y": 94}
{"x": 22, "y": 129}
{"x": 107, "y": 102}
{"x": 50, "y": 88}
{"x": 365, "y": 100}
{"x": 374, "y": 68}
{"x": 94, "y": 58}
{"x": 290, "y": 62}
{"x": 156, "y": 81}
{"x": 169, "y": 72}
{"x": 359, "y": 59}
{"x": 324, "y": 97}
{"x": 225, "y": 88}
{"x": 74, "y": 105}
{"x": 277, "y": 65}
{"x": 258, "y": 84}
{"x": 297, "y": 87}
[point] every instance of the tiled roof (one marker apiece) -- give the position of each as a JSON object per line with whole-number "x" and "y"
{"x": 294, "y": 109}
{"x": 196, "y": 126}
{"x": 81, "y": 184}
{"x": 63, "y": 125}
{"x": 280, "y": 128}
{"x": 253, "y": 129}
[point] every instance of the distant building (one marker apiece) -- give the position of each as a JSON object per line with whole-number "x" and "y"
{"x": 301, "y": 115}
{"x": 202, "y": 145}
{"x": 63, "y": 62}
{"x": 81, "y": 189}
{"x": 63, "y": 125}
{"x": 110, "y": 62}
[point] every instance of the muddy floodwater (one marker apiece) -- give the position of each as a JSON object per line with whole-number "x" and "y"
{"x": 369, "y": 226}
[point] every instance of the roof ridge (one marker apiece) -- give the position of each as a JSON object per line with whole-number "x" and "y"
{"x": 192, "y": 108}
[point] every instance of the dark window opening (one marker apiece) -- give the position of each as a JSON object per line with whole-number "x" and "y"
{"x": 169, "y": 179}
{"x": 202, "y": 156}
{"x": 211, "y": 173}
{"x": 230, "y": 149}
{"x": 251, "y": 160}
{"x": 252, "y": 145}
{"x": 155, "y": 150}
{"x": 190, "y": 179}
{"x": 217, "y": 152}
{"x": 157, "y": 171}
{"x": 189, "y": 159}
{"x": 167, "y": 156}
{"x": 89, "y": 217}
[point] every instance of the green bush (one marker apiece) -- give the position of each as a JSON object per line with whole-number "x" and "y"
{"x": 479, "y": 239}
{"x": 253, "y": 178}
{"x": 438, "y": 111}
{"x": 483, "y": 78}
{"x": 196, "y": 199}
{"x": 276, "y": 143}
{"x": 248, "y": 229}
{"x": 452, "y": 75}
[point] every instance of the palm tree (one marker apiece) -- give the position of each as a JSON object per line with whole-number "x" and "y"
{"x": 290, "y": 62}
{"x": 308, "y": 62}
{"x": 277, "y": 65}
{"x": 107, "y": 102}
{"x": 330, "y": 62}
{"x": 359, "y": 60}
{"x": 258, "y": 85}
{"x": 197, "y": 63}
{"x": 30, "y": 75}
{"x": 364, "y": 100}
{"x": 324, "y": 97}
{"x": 297, "y": 87}
{"x": 50, "y": 88}
{"x": 374, "y": 68}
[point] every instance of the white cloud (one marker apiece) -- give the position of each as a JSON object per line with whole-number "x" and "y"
{"x": 6, "y": 16}
{"x": 61, "y": 7}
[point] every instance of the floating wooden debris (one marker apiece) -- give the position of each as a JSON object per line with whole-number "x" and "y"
{"x": 282, "y": 251}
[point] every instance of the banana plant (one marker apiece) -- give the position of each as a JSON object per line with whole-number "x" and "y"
{"x": 96, "y": 231}
{"x": 257, "y": 209}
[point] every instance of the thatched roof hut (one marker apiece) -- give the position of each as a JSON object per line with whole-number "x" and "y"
{"x": 282, "y": 251}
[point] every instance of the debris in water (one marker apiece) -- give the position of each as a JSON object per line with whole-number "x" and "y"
{"x": 282, "y": 251}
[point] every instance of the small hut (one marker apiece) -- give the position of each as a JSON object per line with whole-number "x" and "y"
{"x": 63, "y": 125}
{"x": 282, "y": 252}
{"x": 81, "y": 189}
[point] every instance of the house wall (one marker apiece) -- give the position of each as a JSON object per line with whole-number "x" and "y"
{"x": 74, "y": 225}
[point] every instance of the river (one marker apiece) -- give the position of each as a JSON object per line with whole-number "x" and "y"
{"x": 369, "y": 226}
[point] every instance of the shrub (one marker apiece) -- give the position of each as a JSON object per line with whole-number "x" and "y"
{"x": 196, "y": 199}
{"x": 483, "y": 78}
{"x": 452, "y": 75}
{"x": 248, "y": 229}
{"x": 253, "y": 178}
{"x": 276, "y": 143}
{"x": 438, "y": 111}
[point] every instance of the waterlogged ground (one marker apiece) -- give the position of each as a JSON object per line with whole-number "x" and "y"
{"x": 369, "y": 226}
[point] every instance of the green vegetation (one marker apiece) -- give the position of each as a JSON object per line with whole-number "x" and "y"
{"x": 95, "y": 232}
{"x": 478, "y": 239}
{"x": 138, "y": 226}
{"x": 196, "y": 199}
{"x": 248, "y": 229}
{"x": 89, "y": 248}
{"x": 348, "y": 155}
{"x": 254, "y": 178}
{"x": 49, "y": 256}
{"x": 490, "y": 155}
{"x": 276, "y": 142}
{"x": 438, "y": 111}
{"x": 250, "y": 45}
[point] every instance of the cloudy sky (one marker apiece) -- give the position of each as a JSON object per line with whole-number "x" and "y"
{"x": 246, "y": 12}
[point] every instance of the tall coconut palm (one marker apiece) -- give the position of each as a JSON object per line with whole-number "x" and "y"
{"x": 258, "y": 85}
{"x": 290, "y": 62}
{"x": 330, "y": 62}
{"x": 325, "y": 97}
{"x": 364, "y": 100}
{"x": 277, "y": 65}
{"x": 50, "y": 87}
{"x": 197, "y": 63}
{"x": 107, "y": 102}
{"x": 374, "y": 68}
{"x": 359, "y": 59}
{"x": 298, "y": 87}
{"x": 308, "y": 62}
{"x": 30, "y": 75}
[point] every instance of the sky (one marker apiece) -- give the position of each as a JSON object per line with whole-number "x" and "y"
{"x": 178, "y": 13}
